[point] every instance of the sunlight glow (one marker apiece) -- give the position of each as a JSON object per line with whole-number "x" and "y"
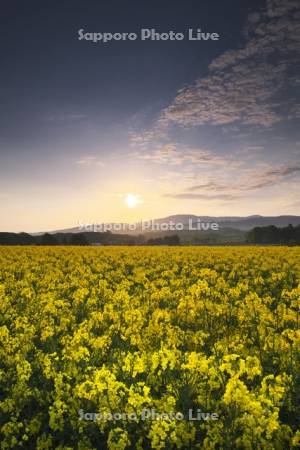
{"x": 131, "y": 200}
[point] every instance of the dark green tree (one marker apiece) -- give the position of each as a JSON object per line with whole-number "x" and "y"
{"x": 78, "y": 239}
{"x": 49, "y": 239}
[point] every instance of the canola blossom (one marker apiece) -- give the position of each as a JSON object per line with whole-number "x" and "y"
{"x": 149, "y": 348}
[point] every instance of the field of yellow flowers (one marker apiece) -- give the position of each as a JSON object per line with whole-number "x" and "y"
{"x": 149, "y": 348}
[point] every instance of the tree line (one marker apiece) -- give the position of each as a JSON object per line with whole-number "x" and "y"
{"x": 273, "y": 235}
{"x": 86, "y": 238}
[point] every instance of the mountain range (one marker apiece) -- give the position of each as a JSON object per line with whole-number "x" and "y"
{"x": 224, "y": 223}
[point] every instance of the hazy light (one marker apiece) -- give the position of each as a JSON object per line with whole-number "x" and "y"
{"x": 131, "y": 200}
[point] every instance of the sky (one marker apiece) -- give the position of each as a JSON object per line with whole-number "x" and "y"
{"x": 131, "y": 130}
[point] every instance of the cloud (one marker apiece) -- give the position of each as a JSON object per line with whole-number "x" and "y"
{"x": 221, "y": 100}
{"x": 283, "y": 171}
{"x": 189, "y": 196}
{"x": 277, "y": 8}
{"x": 245, "y": 93}
{"x": 143, "y": 138}
{"x": 294, "y": 204}
{"x": 252, "y": 182}
{"x": 244, "y": 85}
{"x": 270, "y": 177}
{"x": 90, "y": 161}
{"x": 210, "y": 186}
{"x": 171, "y": 154}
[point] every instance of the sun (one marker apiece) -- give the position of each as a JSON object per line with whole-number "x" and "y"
{"x": 131, "y": 200}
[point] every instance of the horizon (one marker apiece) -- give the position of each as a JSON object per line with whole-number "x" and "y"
{"x": 126, "y": 129}
{"x": 88, "y": 224}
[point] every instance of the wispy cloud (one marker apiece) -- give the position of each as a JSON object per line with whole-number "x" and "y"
{"x": 247, "y": 92}
{"x": 247, "y": 87}
{"x": 230, "y": 191}
{"x": 294, "y": 204}
{"x": 141, "y": 139}
{"x": 220, "y": 99}
{"x": 270, "y": 177}
{"x": 88, "y": 161}
{"x": 190, "y": 196}
{"x": 210, "y": 186}
{"x": 172, "y": 154}
{"x": 244, "y": 85}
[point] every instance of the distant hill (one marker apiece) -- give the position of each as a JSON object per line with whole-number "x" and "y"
{"x": 224, "y": 222}
{"x": 231, "y": 230}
